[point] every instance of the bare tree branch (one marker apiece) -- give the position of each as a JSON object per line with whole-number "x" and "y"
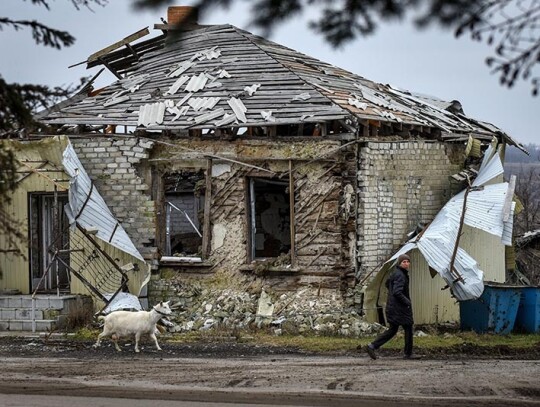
{"x": 511, "y": 27}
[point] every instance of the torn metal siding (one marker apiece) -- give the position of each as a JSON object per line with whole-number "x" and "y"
{"x": 484, "y": 211}
{"x": 88, "y": 209}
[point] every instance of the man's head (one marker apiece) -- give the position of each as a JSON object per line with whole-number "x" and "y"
{"x": 404, "y": 261}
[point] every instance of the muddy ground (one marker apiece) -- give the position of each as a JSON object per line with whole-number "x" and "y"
{"x": 228, "y": 371}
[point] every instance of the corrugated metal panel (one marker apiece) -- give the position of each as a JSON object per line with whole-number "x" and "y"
{"x": 508, "y": 230}
{"x": 95, "y": 214}
{"x": 137, "y": 277}
{"x": 484, "y": 211}
{"x": 226, "y": 119}
{"x": 489, "y": 169}
{"x": 17, "y": 269}
{"x": 431, "y": 304}
{"x": 484, "y": 208}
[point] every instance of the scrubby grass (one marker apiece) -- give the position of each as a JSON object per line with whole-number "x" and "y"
{"x": 86, "y": 334}
{"x": 336, "y": 344}
{"x": 326, "y": 344}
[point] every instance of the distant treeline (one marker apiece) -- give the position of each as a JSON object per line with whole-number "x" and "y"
{"x": 515, "y": 155}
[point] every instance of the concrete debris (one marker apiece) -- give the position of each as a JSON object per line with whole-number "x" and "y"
{"x": 250, "y": 90}
{"x": 238, "y": 108}
{"x": 278, "y": 321}
{"x": 304, "y": 311}
{"x": 209, "y": 323}
{"x": 301, "y": 97}
{"x": 265, "y": 306}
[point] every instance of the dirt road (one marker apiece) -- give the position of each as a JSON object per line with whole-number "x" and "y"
{"x": 240, "y": 373}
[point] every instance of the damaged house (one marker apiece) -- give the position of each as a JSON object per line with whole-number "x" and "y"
{"x": 219, "y": 152}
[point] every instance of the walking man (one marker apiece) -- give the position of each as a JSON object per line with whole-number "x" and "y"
{"x": 398, "y": 309}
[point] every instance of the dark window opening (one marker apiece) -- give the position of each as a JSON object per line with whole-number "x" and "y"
{"x": 270, "y": 218}
{"x": 49, "y": 233}
{"x": 184, "y": 207}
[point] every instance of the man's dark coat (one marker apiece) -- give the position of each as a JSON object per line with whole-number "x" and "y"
{"x": 398, "y": 305}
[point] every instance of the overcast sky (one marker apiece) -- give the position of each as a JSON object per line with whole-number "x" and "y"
{"x": 432, "y": 61}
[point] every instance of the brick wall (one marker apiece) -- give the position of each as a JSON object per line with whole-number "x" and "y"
{"x": 400, "y": 184}
{"x": 188, "y": 203}
{"x": 112, "y": 165}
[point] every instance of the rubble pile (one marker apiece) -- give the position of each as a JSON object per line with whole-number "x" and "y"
{"x": 306, "y": 311}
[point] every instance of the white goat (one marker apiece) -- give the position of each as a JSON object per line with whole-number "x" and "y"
{"x": 125, "y": 323}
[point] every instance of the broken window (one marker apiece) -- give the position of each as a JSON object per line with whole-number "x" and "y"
{"x": 49, "y": 234}
{"x": 270, "y": 217}
{"x": 184, "y": 206}
{"x": 302, "y": 129}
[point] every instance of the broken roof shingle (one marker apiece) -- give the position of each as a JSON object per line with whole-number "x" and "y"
{"x": 239, "y": 59}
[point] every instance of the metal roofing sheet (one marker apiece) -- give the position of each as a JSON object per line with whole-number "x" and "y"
{"x": 484, "y": 210}
{"x": 489, "y": 170}
{"x": 89, "y": 210}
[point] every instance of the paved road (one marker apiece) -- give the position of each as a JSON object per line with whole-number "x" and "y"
{"x": 266, "y": 380}
{"x": 67, "y": 373}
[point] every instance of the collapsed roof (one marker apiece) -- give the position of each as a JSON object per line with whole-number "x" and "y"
{"x": 221, "y": 76}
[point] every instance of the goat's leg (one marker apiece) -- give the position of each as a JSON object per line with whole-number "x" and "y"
{"x": 114, "y": 338}
{"x": 98, "y": 342}
{"x": 137, "y": 338}
{"x": 153, "y": 336}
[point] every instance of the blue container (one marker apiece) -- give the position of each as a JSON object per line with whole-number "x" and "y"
{"x": 495, "y": 311}
{"x": 528, "y": 315}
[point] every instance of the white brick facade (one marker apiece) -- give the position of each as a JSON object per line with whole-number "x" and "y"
{"x": 400, "y": 185}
